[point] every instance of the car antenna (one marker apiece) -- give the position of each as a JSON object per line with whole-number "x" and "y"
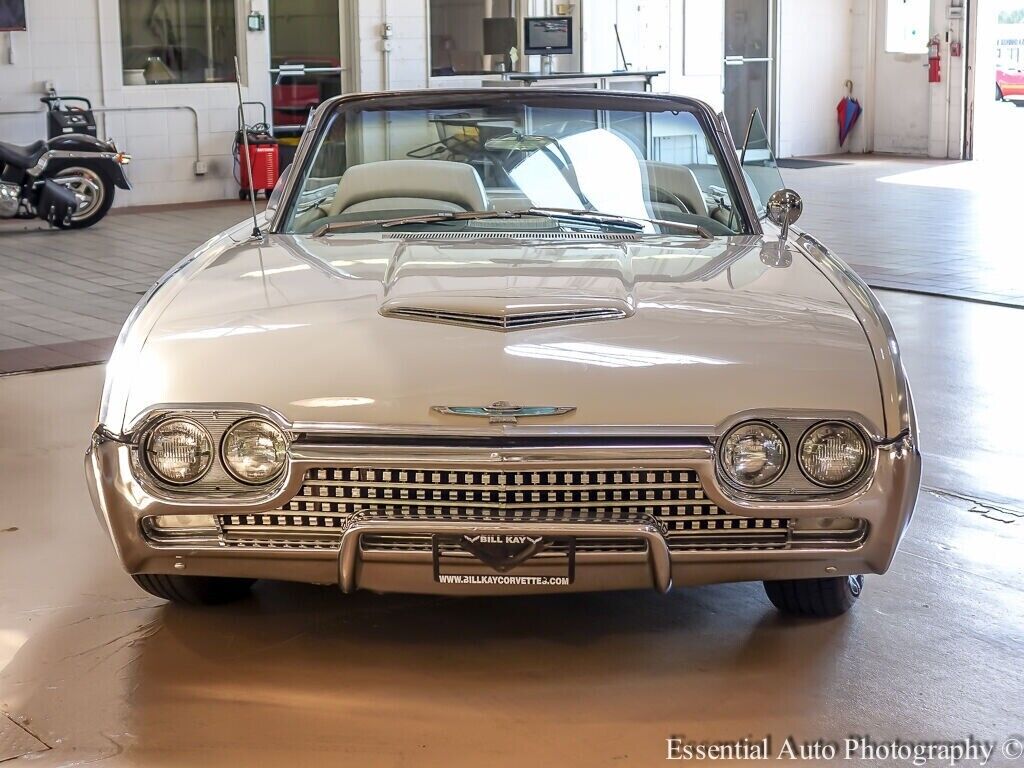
{"x": 248, "y": 158}
{"x": 622, "y": 53}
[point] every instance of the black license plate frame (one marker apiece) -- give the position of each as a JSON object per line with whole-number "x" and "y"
{"x": 501, "y": 573}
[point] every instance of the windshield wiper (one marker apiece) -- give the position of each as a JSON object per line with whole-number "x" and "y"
{"x": 427, "y": 218}
{"x": 630, "y": 222}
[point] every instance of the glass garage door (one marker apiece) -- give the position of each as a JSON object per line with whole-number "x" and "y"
{"x": 748, "y": 62}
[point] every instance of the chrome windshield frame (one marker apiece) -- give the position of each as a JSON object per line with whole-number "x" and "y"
{"x": 717, "y": 132}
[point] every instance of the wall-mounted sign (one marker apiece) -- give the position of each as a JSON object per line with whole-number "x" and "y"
{"x": 12, "y": 16}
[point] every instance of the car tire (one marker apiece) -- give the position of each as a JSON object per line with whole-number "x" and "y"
{"x": 815, "y": 598}
{"x": 1018, "y": 102}
{"x": 194, "y": 590}
{"x": 999, "y": 93}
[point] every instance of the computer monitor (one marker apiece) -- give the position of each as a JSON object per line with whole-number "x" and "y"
{"x": 547, "y": 35}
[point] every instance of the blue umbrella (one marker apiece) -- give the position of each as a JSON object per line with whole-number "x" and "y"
{"x": 848, "y": 110}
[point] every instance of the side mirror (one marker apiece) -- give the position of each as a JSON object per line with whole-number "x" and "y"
{"x": 784, "y": 208}
{"x": 278, "y": 192}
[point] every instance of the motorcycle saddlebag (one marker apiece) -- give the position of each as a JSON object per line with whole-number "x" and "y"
{"x": 56, "y": 204}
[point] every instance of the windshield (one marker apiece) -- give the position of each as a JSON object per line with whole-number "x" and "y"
{"x": 555, "y": 166}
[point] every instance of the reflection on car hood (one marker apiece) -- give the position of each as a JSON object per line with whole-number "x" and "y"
{"x": 709, "y": 329}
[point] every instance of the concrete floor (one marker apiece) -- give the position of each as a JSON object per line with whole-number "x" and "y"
{"x": 937, "y": 226}
{"x": 65, "y": 294}
{"x": 91, "y": 669}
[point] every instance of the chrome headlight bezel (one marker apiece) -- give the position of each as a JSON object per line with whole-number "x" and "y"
{"x": 728, "y": 473}
{"x": 865, "y": 446}
{"x": 217, "y": 486}
{"x": 792, "y": 485}
{"x": 233, "y": 471}
{"x": 152, "y": 431}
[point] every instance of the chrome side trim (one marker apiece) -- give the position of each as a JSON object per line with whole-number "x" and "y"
{"x": 897, "y": 402}
{"x": 659, "y": 556}
{"x": 63, "y": 154}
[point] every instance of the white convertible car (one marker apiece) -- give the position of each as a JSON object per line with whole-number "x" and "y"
{"x": 508, "y": 341}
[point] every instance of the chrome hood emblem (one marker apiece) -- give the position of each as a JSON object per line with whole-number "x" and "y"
{"x": 503, "y": 412}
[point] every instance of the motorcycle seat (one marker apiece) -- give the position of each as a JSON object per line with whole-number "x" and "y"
{"x": 21, "y": 156}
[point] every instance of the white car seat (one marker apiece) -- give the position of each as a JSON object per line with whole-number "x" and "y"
{"x": 409, "y": 185}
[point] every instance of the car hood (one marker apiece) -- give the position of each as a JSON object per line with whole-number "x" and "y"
{"x": 708, "y": 329}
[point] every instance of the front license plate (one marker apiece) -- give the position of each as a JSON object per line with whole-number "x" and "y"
{"x": 504, "y": 555}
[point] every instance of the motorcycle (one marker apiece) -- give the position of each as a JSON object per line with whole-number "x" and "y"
{"x": 67, "y": 180}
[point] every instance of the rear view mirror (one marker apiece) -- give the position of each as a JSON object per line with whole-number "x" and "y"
{"x": 784, "y": 208}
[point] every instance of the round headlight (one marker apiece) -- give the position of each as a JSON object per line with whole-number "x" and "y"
{"x": 832, "y": 454}
{"x": 179, "y": 451}
{"x": 254, "y": 451}
{"x": 754, "y": 454}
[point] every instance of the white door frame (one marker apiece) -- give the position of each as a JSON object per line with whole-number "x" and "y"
{"x": 970, "y": 84}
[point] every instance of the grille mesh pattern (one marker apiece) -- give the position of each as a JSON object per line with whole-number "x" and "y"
{"x": 675, "y": 496}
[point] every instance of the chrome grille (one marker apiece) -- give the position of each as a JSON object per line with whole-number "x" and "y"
{"x": 329, "y": 495}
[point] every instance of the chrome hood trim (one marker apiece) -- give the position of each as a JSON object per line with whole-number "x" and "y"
{"x": 509, "y": 314}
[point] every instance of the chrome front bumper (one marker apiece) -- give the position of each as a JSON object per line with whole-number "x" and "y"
{"x": 122, "y": 501}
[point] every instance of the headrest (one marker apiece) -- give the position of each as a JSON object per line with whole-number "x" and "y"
{"x": 457, "y": 183}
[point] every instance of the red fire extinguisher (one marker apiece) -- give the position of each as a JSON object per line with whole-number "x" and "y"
{"x": 934, "y": 61}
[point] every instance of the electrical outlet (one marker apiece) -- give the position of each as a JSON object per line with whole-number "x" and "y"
{"x": 201, "y": 167}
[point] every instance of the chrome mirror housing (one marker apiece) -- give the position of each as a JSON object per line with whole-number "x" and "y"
{"x": 784, "y": 208}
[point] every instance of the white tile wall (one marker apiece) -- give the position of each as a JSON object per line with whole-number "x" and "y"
{"x": 76, "y": 43}
{"x": 407, "y": 61}
{"x": 907, "y": 114}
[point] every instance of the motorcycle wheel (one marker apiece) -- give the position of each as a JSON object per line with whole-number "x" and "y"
{"x": 95, "y": 193}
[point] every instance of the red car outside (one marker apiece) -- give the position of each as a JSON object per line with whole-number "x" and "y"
{"x": 1010, "y": 85}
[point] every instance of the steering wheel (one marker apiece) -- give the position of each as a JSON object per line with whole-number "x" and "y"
{"x": 666, "y": 196}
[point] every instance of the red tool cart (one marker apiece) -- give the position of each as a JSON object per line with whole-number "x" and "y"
{"x": 263, "y": 157}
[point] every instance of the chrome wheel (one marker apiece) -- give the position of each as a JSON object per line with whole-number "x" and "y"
{"x": 89, "y": 188}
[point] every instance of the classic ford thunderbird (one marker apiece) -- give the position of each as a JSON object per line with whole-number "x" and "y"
{"x": 508, "y": 341}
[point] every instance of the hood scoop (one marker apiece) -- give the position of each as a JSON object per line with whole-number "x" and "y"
{"x": 497, "y": 314}
{"x": 508, "y": 287}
